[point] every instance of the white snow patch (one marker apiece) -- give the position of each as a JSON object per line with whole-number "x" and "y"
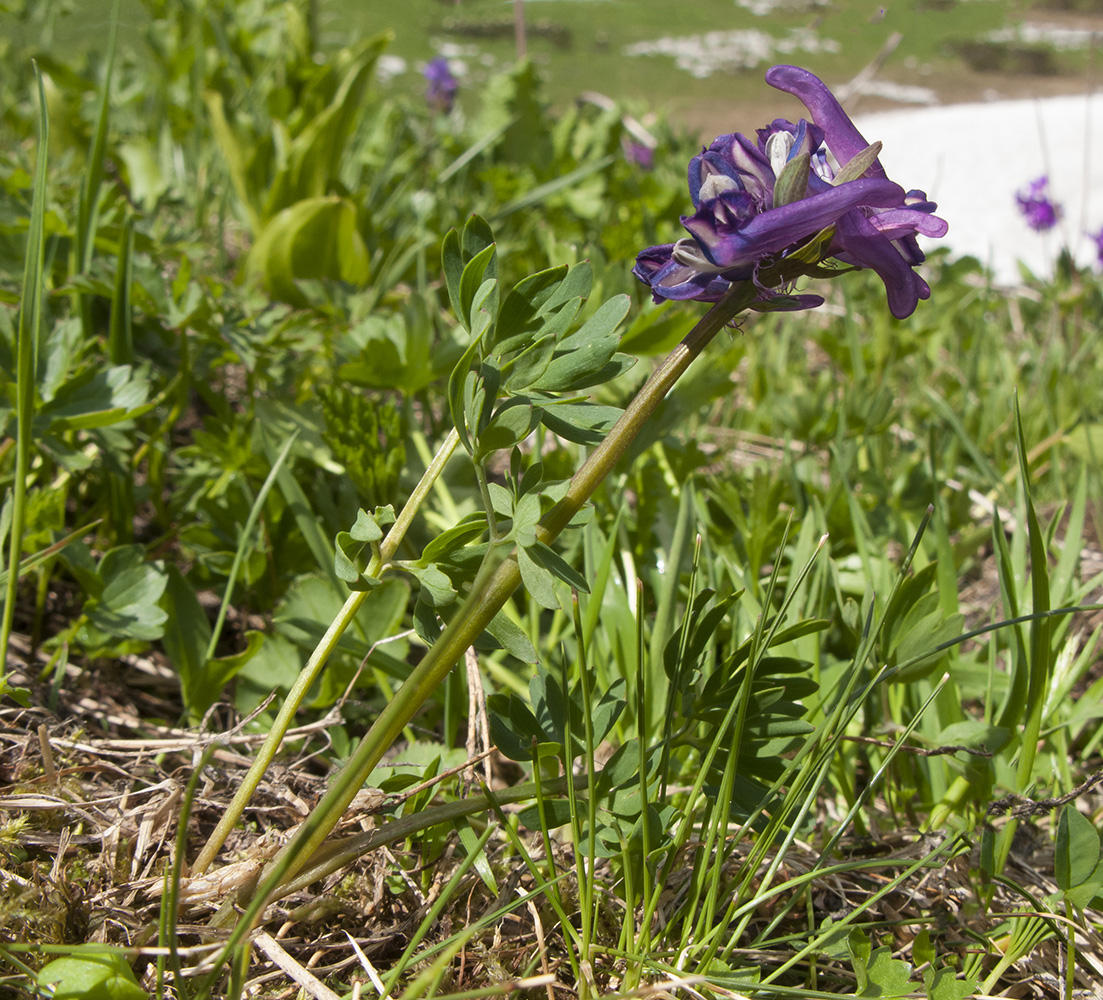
{"x": 1057, "y": 36}
{"x": 972, "y": 158}
{"x": 388, "y": 67}
{"x": 763, "y": 8}
{"x": 725, "y": 51}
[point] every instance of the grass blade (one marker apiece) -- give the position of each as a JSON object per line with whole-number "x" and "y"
{"x": 30, "y": 325}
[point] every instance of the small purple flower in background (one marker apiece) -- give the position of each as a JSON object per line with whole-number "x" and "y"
{"x": 442, "y": 85}
{"x": 1097, "y": 238}
{"x": 639, "y": 154}
{"x": 772, "y": 210}
{"x": 1040, "y": 211}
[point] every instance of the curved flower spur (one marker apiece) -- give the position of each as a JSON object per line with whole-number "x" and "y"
{"x": 773, "y": 210}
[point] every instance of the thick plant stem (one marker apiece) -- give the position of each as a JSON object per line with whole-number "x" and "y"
{"x": 309, "y": 674}
{"x": 496, "y": 581}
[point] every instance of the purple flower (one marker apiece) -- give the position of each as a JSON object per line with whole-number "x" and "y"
{"x": 1097, "y": 238}
{"x": 1040, "y": 211}
{"x": 772, "y": 210}
{"x": 442, "y": 85}
{"x": 639, "y": 154}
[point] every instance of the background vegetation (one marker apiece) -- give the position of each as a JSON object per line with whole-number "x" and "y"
{"x": 828, "y": 699}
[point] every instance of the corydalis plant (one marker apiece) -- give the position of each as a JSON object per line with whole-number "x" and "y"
{"x": 771, "y": 210}
{"x": 768, "y": 221}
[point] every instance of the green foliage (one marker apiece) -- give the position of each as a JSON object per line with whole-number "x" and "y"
{"x": 87, "y": 975}
{"x": 236, "y": 358}
{"x": 365, "y": 436}
{"x": 1079, "y": 867}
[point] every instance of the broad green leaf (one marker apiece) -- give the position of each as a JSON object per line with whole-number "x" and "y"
{"x": 187, "y": 631}
{"x": 366, "y": 528}
{"x": 877, "y": 972}
{"x": 538, "y": 581}
{"x": 317, "y": 238}
{"x": 97, "y": 398}
{"x": 582, "y": 423}
{"x": 576, "y": 285}
{"x": 608, "y": 710}
{"x": 527, "y": 367}
{"x": 128, "y": 606}
{"x": 512, "y": 638}
{"x": 513, "y": 727}
{"x": 1077, "y": 850}
{"x": 526, "y": 516}
{"x": 524, "y": 305}
{"x": 583, "y": 358}
{"x": 426, "y": 621}
{"x": 926, "y": 635}
{"x": 944, "y": 985}
{"x": 464, "y": 531}
{"x": 436, "y": 587}
{"x": 91, "y": 976}
{"x": 483, "y": 307}
{"x": 1041, "y": 658}
{"x": 348, "y": 561}
{"x": 477, "y": 237}
{"x": 476, "y": 271}
{"x": 145, "y": 180}
{"x": 312, "y": 161}
{"x": 510, "y": 425}
{"x": 245, "y": 158}
{"x": 556, "y": 813}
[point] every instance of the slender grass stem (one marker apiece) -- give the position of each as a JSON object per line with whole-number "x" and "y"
{"x": 318, "y": 658}
{"x": 30, "y": 324}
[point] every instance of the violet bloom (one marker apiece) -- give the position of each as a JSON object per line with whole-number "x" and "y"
{"x": 772, "y": 210}
{"x": 1040, "y": 211}
{"x": 1097, "y": 238}
{"x": 442, "y": 85}
{"x": 639, "y": 154}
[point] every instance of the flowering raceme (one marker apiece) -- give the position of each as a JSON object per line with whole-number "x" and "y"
{"x": 771, "y": 210}
{"x": 441, "y": 88}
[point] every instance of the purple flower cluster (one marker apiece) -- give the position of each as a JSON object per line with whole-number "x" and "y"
{"x": 1042, "y": 213}
{"x": 762, "y": 207}
{"x": 441, "y": 87}
{"x": 1039, "y": 209}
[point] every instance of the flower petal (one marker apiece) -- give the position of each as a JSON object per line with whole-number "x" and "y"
{"x": 897, "y": 222}
{"x": 841, "y": 135}
{"x": 668, "y": 279}
{"x": 772, "y": 231}
{"x": 857, "y": 241}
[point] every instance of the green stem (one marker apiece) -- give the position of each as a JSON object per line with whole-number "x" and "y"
{"x": 484, "y": 492}
{"x": 495, "y": 583}
{"x": 319, "y": 657}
